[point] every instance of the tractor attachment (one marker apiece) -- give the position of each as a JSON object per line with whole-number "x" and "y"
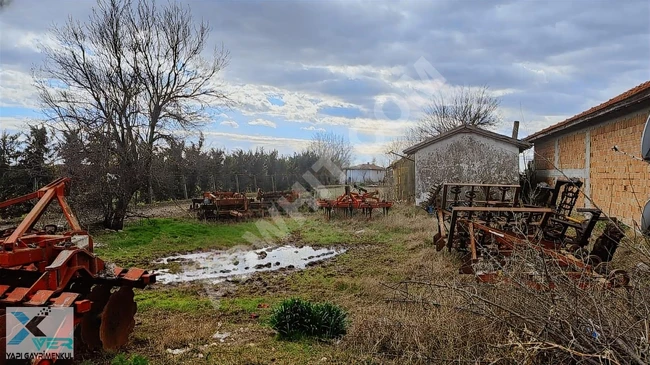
{"x": 349, "y": 202}
{"x": 51, "y": 267}
{"x": 487, "y": 223}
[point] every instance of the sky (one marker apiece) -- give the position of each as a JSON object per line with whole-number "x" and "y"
{"x": 366, "y": 69}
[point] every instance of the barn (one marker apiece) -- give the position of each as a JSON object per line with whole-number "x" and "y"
{"x": 597, "y": 146}
{"x": 466, "y": 154}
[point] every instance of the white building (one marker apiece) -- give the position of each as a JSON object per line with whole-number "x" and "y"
{"x": 465, "y": 154}
{"x": 365, "y": 173}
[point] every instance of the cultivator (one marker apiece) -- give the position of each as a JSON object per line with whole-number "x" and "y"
{"x": 227, "y": 204}
{"x": 487, "y": 223}
{"x": 349, "y": 202}
{"x": 49, "y": 267}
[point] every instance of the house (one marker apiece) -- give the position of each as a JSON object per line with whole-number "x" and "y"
{"x": 466, "y": 154}
{"x": 582, "y": 147}
{"x": 364, "y": 173}
{"x": 401, "y": 176}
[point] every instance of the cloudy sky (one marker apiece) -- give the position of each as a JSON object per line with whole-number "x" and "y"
{"x": 366, "y": 68}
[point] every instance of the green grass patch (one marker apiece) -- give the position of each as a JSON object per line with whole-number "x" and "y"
{"x": 246, "y": 305}
{"x": 186, "y": 300}
{"x": 149, "y": 239}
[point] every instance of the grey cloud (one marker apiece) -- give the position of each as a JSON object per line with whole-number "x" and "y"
{"x": 469, "y": 42}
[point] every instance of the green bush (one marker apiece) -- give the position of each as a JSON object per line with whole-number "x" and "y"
{"x": 121, "y": 359}
{"x": 296, "y": 318}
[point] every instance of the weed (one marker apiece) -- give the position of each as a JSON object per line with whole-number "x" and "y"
{"x": 296, "y": 318}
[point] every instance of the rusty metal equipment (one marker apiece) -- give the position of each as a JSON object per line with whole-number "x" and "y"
{"x": 350, "y": 201}
{"x": 53, "y": 267}
{"x": 228, "y": 204}
{"x": 488, "y": 222}
{"x": 220, "y": 205}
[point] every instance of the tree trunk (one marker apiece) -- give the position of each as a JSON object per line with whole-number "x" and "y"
{"x": 117, "y": 223}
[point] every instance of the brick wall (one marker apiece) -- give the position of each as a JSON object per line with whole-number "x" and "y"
{"x": 572, "y": 151}
{"x": 544, "y": 155}
{"x": 619, "y": 184}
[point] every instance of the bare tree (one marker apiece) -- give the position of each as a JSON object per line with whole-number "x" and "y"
{"x": 130, "y": 77}
{"x": 465, "y": 105}
{"x": 332, "y": 146}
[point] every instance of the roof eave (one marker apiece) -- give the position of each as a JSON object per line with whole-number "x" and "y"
{"x": 634, "y": 99}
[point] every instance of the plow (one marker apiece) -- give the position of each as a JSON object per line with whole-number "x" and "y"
{"x": 487, "y": 223}
{"x": 53, "y": 267}
{"x": 350, "y": 202}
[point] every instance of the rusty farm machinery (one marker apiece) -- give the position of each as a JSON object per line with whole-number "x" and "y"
{"x": 51, "y": 266}
{"x": 228, "y": 204}
{"x": 487, "y": 223}
{"x": 351, "y": 201}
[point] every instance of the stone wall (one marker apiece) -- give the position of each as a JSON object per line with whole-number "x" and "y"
{"x": 465, "y": 158}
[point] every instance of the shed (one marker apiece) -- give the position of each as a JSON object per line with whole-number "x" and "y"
{"x": 583, "y": 147}
{"x": 466, "y": 154}
{"x": 364, "y": 173}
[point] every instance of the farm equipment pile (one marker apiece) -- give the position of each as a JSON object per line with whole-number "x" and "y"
{"x": 487, "y": 223}
{"x": 50, "y": 266}
{"x": 349, "y": 202}
{"x": 228, "y": 204}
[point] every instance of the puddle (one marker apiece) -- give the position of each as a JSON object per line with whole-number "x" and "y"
{"x": 217, "y": 266}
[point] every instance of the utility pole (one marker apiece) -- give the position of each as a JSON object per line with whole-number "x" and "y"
{"x": 237, "y": 182}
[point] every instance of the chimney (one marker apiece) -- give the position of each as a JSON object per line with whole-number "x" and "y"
{"x": 515, "y": 129}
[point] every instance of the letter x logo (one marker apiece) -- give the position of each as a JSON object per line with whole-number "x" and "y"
{"x": 30, "y": 325}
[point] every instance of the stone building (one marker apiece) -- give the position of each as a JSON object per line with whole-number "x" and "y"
{"x": 582, "y": 147}
{"x": 466, "y": 154}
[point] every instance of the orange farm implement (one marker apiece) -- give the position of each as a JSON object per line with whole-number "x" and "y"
{"x": 349, "y": 202}
{"x": 50, "y": 266}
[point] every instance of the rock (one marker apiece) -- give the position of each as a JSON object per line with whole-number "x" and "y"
{"x": 225, "y": 271}
{"x": 221, "y": 336}
{"x": 262, "y": 255}
{"x": 262, "y": 266}
{"x": 290, "y": 267}
{"x": 178, "y": 351}
{"x": 277, "y": 263}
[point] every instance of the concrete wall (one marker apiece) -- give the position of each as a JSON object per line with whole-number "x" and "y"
{"x": 361, "y": 176}
{"x": 617, "y": 184}
{"x": 465, "y": 158}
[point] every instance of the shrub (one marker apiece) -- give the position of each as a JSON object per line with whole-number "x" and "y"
{"x": 121, "y": 359}
{"x": 296, "y": 318}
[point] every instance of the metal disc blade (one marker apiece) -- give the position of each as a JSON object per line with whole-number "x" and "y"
{"x": 118, "y": 319}
{"x": 3, "y": 341}
{"x": 645, "y": 219}
{"x": 645, "y": 141}
{"x": 91, "y": 322}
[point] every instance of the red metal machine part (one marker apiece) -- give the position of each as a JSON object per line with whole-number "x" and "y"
{"x": 349, "y": 202}
{"x": 47, "y": 268}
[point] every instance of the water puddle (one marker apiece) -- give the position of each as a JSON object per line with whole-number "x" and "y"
{"x": 217, "y": 266}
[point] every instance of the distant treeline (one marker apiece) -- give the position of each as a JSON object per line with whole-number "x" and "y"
{"x": 181, "y": 169}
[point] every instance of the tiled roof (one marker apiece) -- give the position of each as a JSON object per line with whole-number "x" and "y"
{"x": 611, "y": 102}
{"x": 467, "y": 129}
{"x": 365, "y": 166}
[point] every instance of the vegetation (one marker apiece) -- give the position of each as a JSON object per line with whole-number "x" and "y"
{"x": 121, "y": 359}
{"x": 296, "y": 318}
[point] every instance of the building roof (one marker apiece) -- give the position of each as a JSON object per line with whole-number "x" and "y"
{"x": 634, "y": 95}
{"x": 468, "y": 129}
{"x": 365, "y": 166}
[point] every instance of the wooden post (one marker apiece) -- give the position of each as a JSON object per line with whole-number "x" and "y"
{"x": 237, "y": 182}
{"x": 184, "y": 187}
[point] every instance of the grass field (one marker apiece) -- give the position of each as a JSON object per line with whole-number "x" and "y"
{"x": 227, "y": 323}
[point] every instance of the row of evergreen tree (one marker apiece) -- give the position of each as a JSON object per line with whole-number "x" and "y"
{"x": 179, "y": 170}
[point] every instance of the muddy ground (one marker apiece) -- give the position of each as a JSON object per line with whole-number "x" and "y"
{"x": 225, "y": 322}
